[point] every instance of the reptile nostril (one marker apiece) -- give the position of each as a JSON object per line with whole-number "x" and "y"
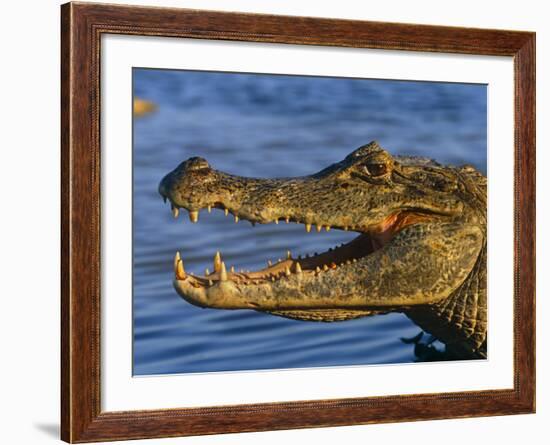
{"x": 197, "y": 163}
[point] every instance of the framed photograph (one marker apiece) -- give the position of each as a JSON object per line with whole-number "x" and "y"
{"x": 274, "y": 222}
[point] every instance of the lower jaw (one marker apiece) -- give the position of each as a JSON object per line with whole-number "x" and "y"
{"x": 226, "y": 295}
{"x": 309, "y": 266}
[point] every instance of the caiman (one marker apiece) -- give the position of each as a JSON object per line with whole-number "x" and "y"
{"x": 421, "y": 248}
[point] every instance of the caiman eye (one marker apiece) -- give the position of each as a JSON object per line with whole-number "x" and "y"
{"x": 376, "y": 168}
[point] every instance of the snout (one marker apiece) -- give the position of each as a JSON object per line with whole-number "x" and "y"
{"x": 187, "y": 183}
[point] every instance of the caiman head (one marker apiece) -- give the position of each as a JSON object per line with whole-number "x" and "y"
{"x": 420, "y": 233}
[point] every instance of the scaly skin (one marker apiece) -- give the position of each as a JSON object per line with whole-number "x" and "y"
{"x": 421, "y": 248}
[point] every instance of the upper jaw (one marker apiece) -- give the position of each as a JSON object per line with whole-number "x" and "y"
{"x": 265, "y": 210}
{"x": 259, "y": 201}
{"x": 323, "y": 221}
{"x": 264, "y": 216}
{"x": 275, "y": 207}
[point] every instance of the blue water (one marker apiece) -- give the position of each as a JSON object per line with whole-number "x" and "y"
{"x": 268, "y": 126}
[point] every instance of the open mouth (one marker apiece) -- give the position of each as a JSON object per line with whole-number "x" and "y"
{"x": 370, "y": 239}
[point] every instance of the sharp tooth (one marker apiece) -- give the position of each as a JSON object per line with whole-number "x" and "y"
{"x": 346, "y": 228}
{"x": 217, "y": 262}
{"x": 232, "y": 269}
{"x": 175, "y": 211}
{"x": 223, "y": 273}
{"x": 317, "y": 269}
{"x": 318, "y": 227}
{"x": 177, "y": 259}
{"x": 236, "y": 219}
{"x": 241, "y": 271}
{"x": 276, "y": 221}
{"x": 279, "y": 260}
{"x": 206, "y": 272}
{"x": 327, "y": 228}
{"x": 308, "y": 228}
{"x": 180, "y": 271}
{"x": 325, "y": 267}
{"x": 333, "y": 265}
{"x": 194, "y": 215}
{"x": 272, "y": 278}
{"x": 269, "y": 263}
{"x": 226, "y": 211}
{"x": 355, "y": 260}
{"x": 209, "y": 208}
{"x": 298, "y": 268}
{"x": 348, "y": 262}
{"x": 287, "y": 219}
{"x": 287, "y": 271}
{"x": 288, "y": 255}
{"x": 210, "y": 282}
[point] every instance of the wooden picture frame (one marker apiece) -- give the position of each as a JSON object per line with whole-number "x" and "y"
{"x": 82, "y": 26}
